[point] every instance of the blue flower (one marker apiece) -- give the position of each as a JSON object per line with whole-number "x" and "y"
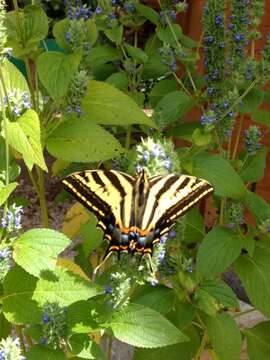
{"x": 98, "y": 10}
{"x": 43, "y": 340}
{"x": 239, "y": 37}
{"x": 163, "y": 239}
{"x": 219, "y": 20}
{"x": 209, "y": 40}
{"x": 107, "y": 289}
{"x": 211, "y": 91}
{"x": 167, "y": 164}
{"x": 45, "y": 318}
{"x": 161, "y": 255}
{"x": 78, "y": 110}
{"x": 146, "y": 156}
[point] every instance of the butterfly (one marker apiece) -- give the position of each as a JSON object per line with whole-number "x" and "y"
{"x": 135, "y": 212}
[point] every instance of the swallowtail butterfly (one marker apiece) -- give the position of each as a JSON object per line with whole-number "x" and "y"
{"x": 135, "y": 212}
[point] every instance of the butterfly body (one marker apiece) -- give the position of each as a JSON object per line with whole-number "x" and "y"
{"x": 134, "y": 213}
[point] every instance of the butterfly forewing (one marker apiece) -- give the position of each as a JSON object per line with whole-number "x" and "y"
{"x": 104, "y": 193}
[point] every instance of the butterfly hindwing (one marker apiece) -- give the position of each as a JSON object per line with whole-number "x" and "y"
{"x": 170, "y": 197}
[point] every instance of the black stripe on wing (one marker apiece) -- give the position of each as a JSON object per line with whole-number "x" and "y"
{"x": 172, "y": 214}
{"x": 86, "y": 197}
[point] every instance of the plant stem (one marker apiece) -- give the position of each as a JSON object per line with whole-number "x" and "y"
{"x": 202, "y": 346}
{"x": 18, "y": 329}
{"x": 237, "y": 137}
{"x": 244, "y": 312}
{"x": 5, "y": 132}
{"x": 128, "y": 137}
{"x": 191, "y": 80}
{"x": 182, "y": 85}
{"x": 109, "y": 351}
{"x": 30, "y": 82}
{"x": 251, "y": 86}
{"x": 222, "y": 211}
{"x": 29, "y": 340}
{"x": 42, "y": 198}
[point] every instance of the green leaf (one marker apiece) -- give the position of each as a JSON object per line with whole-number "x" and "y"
{"x": 64, "y": 288}
{"x": 261, "y": 116}
{"x": 165, "y": 34}
{"x": 201, "y": 138}
{"x": 255, "y": 166}
{"x": 220, "y": 174}
{"x": 104, "y": 104}
{"x": 33, "y": 28}
{"x": 219, "y": 249}
{"x": 92, "y": 237}
{"x": 5, "y": 326}
{"x": 14, "y": 79}
{"x": 184, "y": 131}
{"x": 254, "y": 273}
{"x": 259, "y": 208}
{"x": 82, "y": 141}
{"x": 252, "y": 101}
{"x": 182, "y": 315}
{"x": 85, "y": 348}
{"x": 115, "y": 34}
{"x": 149, "y": 13}
{"x": 258, "y": 341}
{"x": 194, "y": 228}
{"x": 44, "y": 353}
{"x": 205, "y": 302}
{"x": 154, "y": 67}
{"x": 18, "y": 305}
{"x": 224, "y": 336}
{"x": 160, "y": 89}
{"x": 55, "y": 70}
{"x": 137, "y": 54}
{"x": 219, "y": 290}
{"x": 100, "y": 55}
{"x": 60, "y": 30}
{"x": 118, "y": 80}
{"x": 141, "y": 326}
{"x": 182, "y": 351}
{"x": 24, "y": 135}
{"x": 188, "y": 42}
{"x": 80, "y": 318}
{"x": 36, "y": 250}
{"x": 6, "y": 190}
{"x": 160, "y": 299}
{"x": 172, "y": 107}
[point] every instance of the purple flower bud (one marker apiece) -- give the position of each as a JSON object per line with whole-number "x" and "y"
{"x": 107, "y": 289}
{"x": 146, "y": 156}
{"x": 161, "y": 255}
{"x": 154, "y": 282}
{"x": 172, "y": 234}
{"x": 163, "y": 239}
{"x": 68, "y": 36}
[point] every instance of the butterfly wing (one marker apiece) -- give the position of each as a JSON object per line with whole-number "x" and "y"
{"x": 170, "y": 197}
{"x": 106, "y": 193}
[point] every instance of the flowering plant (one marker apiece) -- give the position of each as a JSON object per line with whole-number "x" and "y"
{"x": 82, "y": 103}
